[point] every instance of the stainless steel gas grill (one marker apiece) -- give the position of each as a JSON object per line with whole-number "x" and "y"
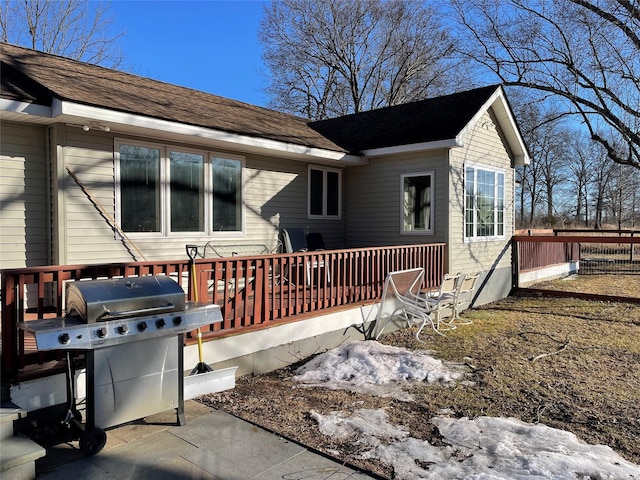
{"x": 131, "y": 332}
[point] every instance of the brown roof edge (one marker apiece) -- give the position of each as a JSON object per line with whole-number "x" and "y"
{"x": 92, "y": 85}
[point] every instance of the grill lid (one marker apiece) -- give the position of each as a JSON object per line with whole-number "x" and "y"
{"x": 100, "y": 300}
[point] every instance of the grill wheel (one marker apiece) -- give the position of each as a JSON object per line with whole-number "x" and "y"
{"x": 92, "y": 441}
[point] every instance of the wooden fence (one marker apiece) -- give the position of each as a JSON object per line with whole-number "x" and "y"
{"x": 594, "y": 254}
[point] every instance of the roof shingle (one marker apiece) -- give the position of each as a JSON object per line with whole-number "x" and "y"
{"x": 93, "y": 85}
{"x": 31, "y": 76}
{"x": 429, "y": 120}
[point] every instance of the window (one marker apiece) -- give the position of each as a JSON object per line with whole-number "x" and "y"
{"x": 186, "y": 171}
{"x": 484, "y": 203}
{"x": 140, "y": 188}
{"x": 166, "y": 190}
{"x": 325, "y": 193}
{"x": 227, "y": 195}
{"x": 417, "y": 203}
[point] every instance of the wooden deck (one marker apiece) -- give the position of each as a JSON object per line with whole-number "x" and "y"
{"x": 254, "y": 292}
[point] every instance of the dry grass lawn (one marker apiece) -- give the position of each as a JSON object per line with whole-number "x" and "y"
{"x": 567, "y": 363}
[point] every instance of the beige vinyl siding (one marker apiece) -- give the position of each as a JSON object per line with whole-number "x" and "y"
{"x": 23, "y": 196}
{"x": 90, "y": 238}
{"x": 484, "y": 146}
{"x": 274, "y": 195}
{"x": 373, "y": 200}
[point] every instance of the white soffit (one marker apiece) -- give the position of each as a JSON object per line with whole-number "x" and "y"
{"x": 221, "y": 139}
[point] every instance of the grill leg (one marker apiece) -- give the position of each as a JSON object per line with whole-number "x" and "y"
{"x": 180, "y": 410}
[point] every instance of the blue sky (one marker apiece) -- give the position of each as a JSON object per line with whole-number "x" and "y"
{"x": 208, "y": 45}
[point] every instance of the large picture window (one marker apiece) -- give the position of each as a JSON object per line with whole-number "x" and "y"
{"x": 484, "y": 203}
{"x": 325, "y": 192}
{"x": 166, "y": 190}
{"x": 417, "y": 203}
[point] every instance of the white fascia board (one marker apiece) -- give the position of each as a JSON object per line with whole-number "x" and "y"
{"x": 133, "y": 120}
{"x": 414, "y": 147}
{"x": 25, "y": 108}
{"x": 501, "y": 109}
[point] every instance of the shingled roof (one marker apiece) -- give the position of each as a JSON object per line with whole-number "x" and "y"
{"x": 35, "y": 77}
{"x": 430, "y": 120}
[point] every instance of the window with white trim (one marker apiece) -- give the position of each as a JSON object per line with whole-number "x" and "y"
{"x": 227, "y": 194}
{"x": 417, "y": 202}
{"x": 325, "y": 193}
{"x": 484, "y": 203}
{"x": 167, "y": 190}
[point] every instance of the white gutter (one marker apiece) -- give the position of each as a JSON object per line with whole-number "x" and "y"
{"x": 63, "y": 108}
{"x": 25, "y": 108}
{"x": 414, "y": 147}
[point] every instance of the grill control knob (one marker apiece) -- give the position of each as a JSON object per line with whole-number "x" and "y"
{"x": 122, "y": 329}
{"x": 160, "y": 323}
{"x": 64, "y": 338}
{"x": 177, "y": 320}
{"x": 142, "y": 326}
{"x": 102, "y": 332}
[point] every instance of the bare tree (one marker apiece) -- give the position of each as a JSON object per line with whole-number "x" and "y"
{"x": 620, "y": 195}
{"x": 541, "y": 180}
{"x": 336, "y": 57}
{"x": 531, "y": 194}
{"x": 582, "y": 169}
{"x": 582, "y": 55}
{"x": 76, "y": 29}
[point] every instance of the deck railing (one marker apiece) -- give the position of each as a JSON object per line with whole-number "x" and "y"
{"x": 597, "y": 253}
{"x": 536, "y": 252}
{"x": 253, "y": 291}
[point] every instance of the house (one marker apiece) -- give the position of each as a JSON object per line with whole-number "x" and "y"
{"x": 104, "y": 166}
{"x": 99, "y": 166}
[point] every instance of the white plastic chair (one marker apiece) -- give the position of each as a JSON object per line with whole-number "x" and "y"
{"x": 465, "y": 296}
{"x": 444, "y": 301}
{"x": 400, "y": 288}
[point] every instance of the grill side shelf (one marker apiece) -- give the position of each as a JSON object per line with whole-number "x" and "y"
{"x": 71, "y": 334}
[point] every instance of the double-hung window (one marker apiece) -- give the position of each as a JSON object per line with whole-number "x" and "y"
{"x": 325, "y": 192}
{"x": 167, "y": 190}
{"x": 417, "y": 203}
{"x": 484, "y": 203}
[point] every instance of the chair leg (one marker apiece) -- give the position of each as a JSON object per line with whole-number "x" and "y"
{"x": 457, "y": 319}
{"x": 424, "y": 324}
{"x": 460, "y": 321}
{"x": 433, "y": 324}
{"x": 447, "y": 325}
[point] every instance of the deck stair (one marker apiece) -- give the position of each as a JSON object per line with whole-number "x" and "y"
{"x": 18, "y": 454}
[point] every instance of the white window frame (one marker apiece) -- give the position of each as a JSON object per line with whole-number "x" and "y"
{"x": 165, "y": 159}
{"x": 165, "y": 201}
{"x": 209, "y": 204}
{"x": 430, "y": 231}
{"x": 324, "y": 215}
{"x": 496, "y": 172}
